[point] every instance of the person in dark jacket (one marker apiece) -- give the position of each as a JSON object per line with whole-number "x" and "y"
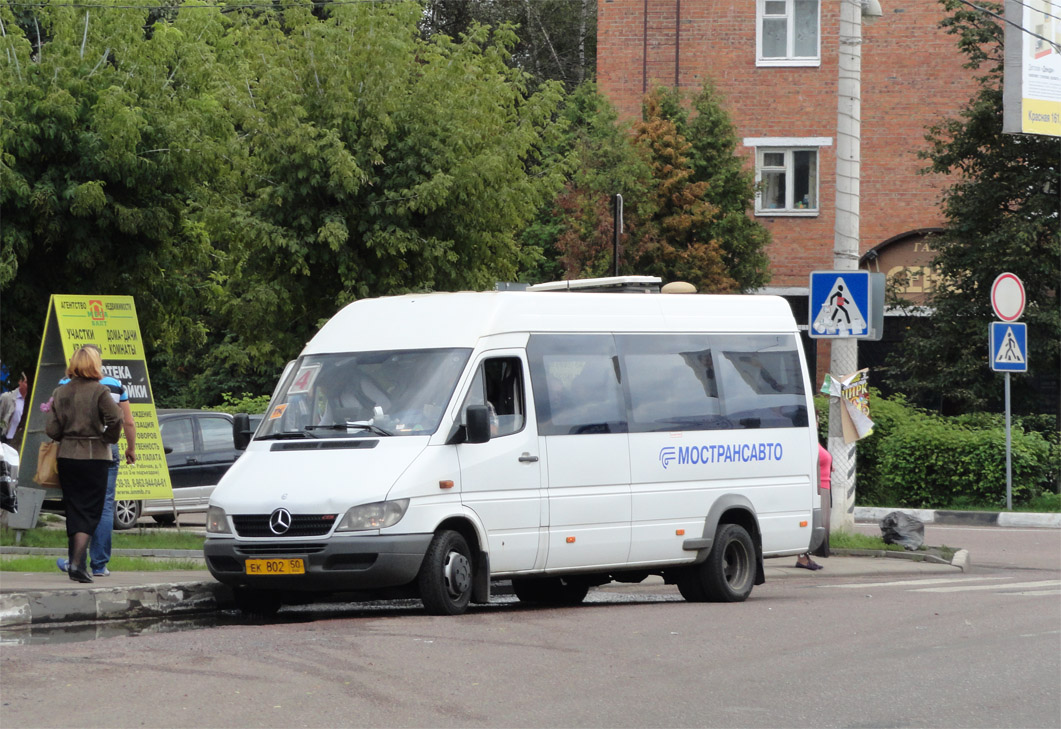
{"x": 85, "y": 420}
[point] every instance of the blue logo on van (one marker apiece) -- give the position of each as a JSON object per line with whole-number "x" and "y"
{"x": 667, "y": 455}
{"x": 740, "y": 453}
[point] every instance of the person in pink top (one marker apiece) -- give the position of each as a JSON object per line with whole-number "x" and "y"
{"x": 825, "y": 469}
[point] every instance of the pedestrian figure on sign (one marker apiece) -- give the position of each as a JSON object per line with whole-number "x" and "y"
{"x": 838, "y": 301}
{"x": 1011, "y": 355}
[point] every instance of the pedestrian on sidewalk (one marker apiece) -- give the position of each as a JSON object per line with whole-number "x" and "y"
{"x": 85, "y": 420}
{"x": 99, "y": 551}
{"x": 13, "y": 413}
{"x": 825, "y": 471}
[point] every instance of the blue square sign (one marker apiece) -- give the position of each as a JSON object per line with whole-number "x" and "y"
{"x": 846, "y": 304}
{"x": 1009, "y": 346}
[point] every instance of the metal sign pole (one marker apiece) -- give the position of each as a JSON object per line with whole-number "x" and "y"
{"x": 1009, "y": 462}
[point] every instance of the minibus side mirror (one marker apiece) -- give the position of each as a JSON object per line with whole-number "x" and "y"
{"x": 241, "y": 431}
{"x": 477, "y": 428}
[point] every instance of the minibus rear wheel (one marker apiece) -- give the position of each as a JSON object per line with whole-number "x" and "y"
{"x": 728, "y": 573}
{"x": 445, "y": 579}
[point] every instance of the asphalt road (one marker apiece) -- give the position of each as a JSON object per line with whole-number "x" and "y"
{"x": 974, "y": 649}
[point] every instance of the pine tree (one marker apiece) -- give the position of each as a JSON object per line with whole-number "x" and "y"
{"x": 684, "y": 250}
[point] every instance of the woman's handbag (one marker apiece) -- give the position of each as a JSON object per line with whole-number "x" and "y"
{"x": 48, "y": 465}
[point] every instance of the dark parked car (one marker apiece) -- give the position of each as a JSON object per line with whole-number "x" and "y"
{"x": 199, "y": 450}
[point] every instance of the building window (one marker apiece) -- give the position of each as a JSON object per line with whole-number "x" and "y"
{"x": 787, "y": 33}
{"x": 788, "y": 181}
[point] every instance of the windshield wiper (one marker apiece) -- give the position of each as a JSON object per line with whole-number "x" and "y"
{"x": 287, "y": 435}
{"x": 347, "y": 426}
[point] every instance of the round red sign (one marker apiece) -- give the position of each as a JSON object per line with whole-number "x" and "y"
{"x": 1007, "y": 297}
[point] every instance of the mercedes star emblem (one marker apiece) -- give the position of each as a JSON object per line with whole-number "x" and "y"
{"x": 280, "y": 521}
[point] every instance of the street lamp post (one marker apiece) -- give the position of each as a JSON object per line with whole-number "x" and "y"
{"x": 844, "y": 352}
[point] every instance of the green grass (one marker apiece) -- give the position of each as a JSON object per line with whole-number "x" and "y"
{"x": 120, "y": 540}
{"x": 855, "y": 540}
{"x": 117, "y": 564}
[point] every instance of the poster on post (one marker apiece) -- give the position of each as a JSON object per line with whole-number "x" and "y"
{"x": 110, "y": 323}
{"x": 853, "y": 392}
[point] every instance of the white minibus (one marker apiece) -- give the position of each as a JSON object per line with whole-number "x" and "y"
{"x": 427, "y": 445}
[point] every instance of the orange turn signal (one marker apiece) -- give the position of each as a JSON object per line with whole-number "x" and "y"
{"x": 679, "y": 532}
{"x": 570, "y": 540}
{"x": 803, "y": 523}
{"x": 445, "y": 484}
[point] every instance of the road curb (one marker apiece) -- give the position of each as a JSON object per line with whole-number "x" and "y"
{"x": 111, "y": 603}
{"x": 959, "y": 560}
{"x": 873, "y": 514}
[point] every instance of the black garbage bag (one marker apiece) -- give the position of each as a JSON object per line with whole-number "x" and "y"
{"x": 900, "y": 528}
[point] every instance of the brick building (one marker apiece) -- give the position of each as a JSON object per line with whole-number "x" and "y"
{"x": 775, "y": 63}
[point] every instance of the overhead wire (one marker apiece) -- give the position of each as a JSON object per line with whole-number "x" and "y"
{"x": 1005, "y": 20}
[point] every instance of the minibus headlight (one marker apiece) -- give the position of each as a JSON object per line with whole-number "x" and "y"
{"x": 217, "y": 521}
{"x": 373, "y": 516}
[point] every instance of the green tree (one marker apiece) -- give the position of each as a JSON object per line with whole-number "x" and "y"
{"x": 685, "y": 195}
{"x": 557, "y": 38}
{"x": 574, "y": 235}
{"x": 684, "y": 249}
{"x": 378, "y": 163}
{"x": 730, "y": 188}
{"x": 108, "y": 121}
{"x": 1002, "y": 212}
{"x": 243, "y": 173}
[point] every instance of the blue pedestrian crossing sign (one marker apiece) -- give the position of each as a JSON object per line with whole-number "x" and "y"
{"x": 1009, "y": 346}
{"x": 846, "y": 304}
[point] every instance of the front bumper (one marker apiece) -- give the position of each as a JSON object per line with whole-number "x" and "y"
{"x": 336, "y": 564}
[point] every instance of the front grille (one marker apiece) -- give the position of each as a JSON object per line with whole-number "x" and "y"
{"x": 302, "y": 525}
{"x": 253, "y": 550}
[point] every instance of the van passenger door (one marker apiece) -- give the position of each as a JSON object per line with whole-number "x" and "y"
{"x": 501, "y": 479}
{"x": 581, "y": 412}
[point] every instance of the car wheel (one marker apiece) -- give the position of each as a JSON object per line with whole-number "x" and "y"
{"x": 164, "y": 519}
{"x": 445, "y": 579}
{"x": 126, "y": 514}
{"x": 550, "y": 591}
{"x": 728, "y": 573}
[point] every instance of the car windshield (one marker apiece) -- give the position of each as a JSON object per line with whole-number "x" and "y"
{"x": 384, "y": 393}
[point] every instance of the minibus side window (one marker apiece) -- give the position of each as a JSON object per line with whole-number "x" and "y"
{"x": 760, "y": 381}
{"x": 576, "y": 384}
{"x": 671, "y": 381}
{"x": 498, "y": 384}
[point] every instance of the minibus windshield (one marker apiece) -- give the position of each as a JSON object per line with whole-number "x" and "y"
{"x": 358, "y": 394}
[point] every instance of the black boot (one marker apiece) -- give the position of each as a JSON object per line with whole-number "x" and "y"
{"x": 79, "y": 574}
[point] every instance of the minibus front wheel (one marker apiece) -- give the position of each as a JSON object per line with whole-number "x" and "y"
{"x": 728, "y": 573}
{"x": 445, "y": 579}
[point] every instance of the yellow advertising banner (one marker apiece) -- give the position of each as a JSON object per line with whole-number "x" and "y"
{"x": 110, "y": 323}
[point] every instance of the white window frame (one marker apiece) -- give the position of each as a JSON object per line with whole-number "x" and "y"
{"x": 790, "y": 59}
{"x": 788, "y": 145}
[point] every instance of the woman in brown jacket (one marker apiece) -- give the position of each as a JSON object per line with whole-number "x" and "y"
{"x": 84, "y": 419}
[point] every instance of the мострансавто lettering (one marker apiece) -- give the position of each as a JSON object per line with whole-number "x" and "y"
{"x": 740, "y": 453}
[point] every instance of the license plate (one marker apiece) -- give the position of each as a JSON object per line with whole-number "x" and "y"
{"x": 286, "y": 566}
